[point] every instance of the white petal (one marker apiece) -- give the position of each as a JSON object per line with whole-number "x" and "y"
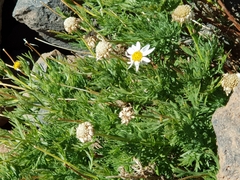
{"x": 131, "y": 63}
{"x": 145, "y": 60}
{"x": 137, "y": 65}
{"x": 147, "y": 52}
{"x": 145, "y": 48}
{"x": 134, "y": 48}
{"x": 138, "y": 46}
{"x": 127, "y": 54}
{"x": 131, "y": 50}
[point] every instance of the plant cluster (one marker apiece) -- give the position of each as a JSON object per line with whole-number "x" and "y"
{"x": 135, "y": 104}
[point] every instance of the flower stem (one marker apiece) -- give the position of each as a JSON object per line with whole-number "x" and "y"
{"x": 195, "y": 42}
{"x": 71, "y": 166}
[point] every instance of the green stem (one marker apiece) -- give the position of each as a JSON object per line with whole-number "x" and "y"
{"x": 195, "y": 42}
{"x": 67, "y": 164}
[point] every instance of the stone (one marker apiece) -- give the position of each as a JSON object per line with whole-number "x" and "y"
{"x": 38, "y": 16}
{"x": 41, "y": 64}
{"x": 4, "y": 149}
{"x": 226, "y": 124}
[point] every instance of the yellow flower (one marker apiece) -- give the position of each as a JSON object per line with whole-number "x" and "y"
{"x": 229, "y": 82}
{"x": 182, "y": 14}
{"x": 17, "y": 65}
{"x": 138, "y": 55}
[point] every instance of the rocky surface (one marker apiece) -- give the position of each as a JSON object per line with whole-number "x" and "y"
{"x": 13, "y": 33}
{"x": 226, "y": 122}
{"x": 39, "y": 16}
{"x": 3, "y": 149}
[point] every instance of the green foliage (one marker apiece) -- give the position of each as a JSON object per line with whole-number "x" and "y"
{"x": 173, "y": 99}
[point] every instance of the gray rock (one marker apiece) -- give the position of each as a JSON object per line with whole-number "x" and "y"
{"x": 226, "y": 123}
{"x": 38, "y": 17}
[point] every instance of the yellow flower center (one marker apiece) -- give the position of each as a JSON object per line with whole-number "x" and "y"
{"x": 137, "y": 56}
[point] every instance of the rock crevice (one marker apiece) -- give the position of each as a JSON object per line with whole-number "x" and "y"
{"x": 38, "y": 16}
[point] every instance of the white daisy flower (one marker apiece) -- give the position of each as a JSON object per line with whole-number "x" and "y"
{"x": 138, "y": 55}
